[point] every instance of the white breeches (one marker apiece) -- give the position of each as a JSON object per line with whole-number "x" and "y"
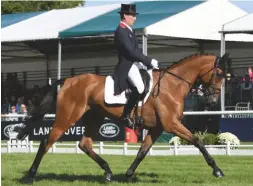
{"x": 134, "y": 77}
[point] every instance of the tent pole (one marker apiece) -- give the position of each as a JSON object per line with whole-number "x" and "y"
{"x": 144, "y": 44}
{"x": 223, "y": 48}
{"x": 144, "y": 51}
{"x": 59, "y": 62}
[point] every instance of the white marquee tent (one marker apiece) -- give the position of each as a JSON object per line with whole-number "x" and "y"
{"x": 203, "y": 21}
{"x": 243, "y": 24}
{"x": 49, "y": 24}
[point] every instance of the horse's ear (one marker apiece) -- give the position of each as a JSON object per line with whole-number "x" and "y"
{"x": 223, "y": 62}
{"x": 224, "y": 58}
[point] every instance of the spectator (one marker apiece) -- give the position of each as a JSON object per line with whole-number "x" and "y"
{"x": 228, "y": 90}
{"x": 250, "y": 73}
{"x": 23, "y": 109}
{"x": 36, "y": 95}
{"x": 5, "y": 106}
{"x": 12, "y": 85}
{"x": 19, "y": 104}
{"x": 30, "y": 106}
{"x": 246, "y": 89}
{"x": 13, "y": 100}
{"x": 13, "y": 109}
{"x": 236, "y": 89}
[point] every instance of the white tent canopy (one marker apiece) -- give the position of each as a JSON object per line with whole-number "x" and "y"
{"x": 48, "y": 25}
{"x": 203, "y": 21}
{"x": 243, "y": 24}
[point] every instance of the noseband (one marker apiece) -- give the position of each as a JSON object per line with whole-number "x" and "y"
{"x": 207, "y": 91}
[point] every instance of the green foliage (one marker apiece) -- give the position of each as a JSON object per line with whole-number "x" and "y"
{"x": 8, "y": 7}
{"x": 210, "y": 139}
{"x": 206, "y": 138}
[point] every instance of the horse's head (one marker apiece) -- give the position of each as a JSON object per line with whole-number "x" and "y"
{"x": 212, "y": 76}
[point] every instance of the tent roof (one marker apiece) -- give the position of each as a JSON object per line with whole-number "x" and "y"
{"x": 49, "y": 24}
{"x": 243, "y": 24}
{"x": 9, "y": 19}
{"x": 149, "y": 13}
{"x": 203, "y": 21}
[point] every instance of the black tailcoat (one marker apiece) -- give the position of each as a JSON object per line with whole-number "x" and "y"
{"x": 128, "y": 53}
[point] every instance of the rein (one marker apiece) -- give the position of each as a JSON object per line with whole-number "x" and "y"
{"x": 161, "y": 75}
{"x": 206, "y": 91}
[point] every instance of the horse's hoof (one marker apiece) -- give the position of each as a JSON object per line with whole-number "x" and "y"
{"x": 29, "y": 181}
{"x": 108, "y": 176}
{"x": 218, "y": 173}
{"x": 131, "y": 179}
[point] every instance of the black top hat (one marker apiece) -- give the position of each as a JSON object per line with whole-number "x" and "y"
{"x": 128, "y": 9}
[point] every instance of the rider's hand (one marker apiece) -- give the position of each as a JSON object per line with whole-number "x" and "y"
{"x": 154, "y": 64}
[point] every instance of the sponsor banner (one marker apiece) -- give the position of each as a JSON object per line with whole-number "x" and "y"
{"x": 241, "y": 127}
{"x": 111, "y": 132}
{"x": 106, "y": 131}
{"x": 8, "y": 124}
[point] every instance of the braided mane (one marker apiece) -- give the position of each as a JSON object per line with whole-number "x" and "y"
{"x": 188, "y": 57}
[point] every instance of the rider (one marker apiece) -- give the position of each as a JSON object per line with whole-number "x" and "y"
{"x": 129, "y": 53}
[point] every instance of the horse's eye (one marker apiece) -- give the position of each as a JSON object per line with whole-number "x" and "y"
{"x": 220, "y": 75}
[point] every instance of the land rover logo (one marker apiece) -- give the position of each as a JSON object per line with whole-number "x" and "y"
{"x": 10, "y": 129}
{"x": 109, "y": 130}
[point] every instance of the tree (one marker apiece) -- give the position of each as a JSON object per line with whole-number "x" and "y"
{"x": 9, "y": 7}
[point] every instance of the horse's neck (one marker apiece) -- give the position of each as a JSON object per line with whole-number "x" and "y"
{"x": 188, "y": 71}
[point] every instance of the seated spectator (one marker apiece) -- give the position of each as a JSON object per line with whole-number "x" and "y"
{"x": 30, "y": 106}
{"x": 13, "y": 100}
{"x": 19, "y": 105}
{"x": 36, "y": 95}
{"x": 23, "y": 109}
{"x": 13, "y": 109}
{"x": 5, "y": 109}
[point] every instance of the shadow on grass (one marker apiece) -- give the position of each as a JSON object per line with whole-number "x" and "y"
{"x": 152, "y": 178}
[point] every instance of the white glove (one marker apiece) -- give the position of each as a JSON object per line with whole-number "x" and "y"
{"x": 154, "y": 63}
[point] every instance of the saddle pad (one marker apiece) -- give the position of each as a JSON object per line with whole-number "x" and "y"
{"x": 110, "y": 98}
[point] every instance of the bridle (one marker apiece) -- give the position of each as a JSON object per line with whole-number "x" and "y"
{"x": 205, "y": 90}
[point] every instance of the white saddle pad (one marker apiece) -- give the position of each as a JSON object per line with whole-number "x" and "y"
{"x": 110, "y": 98}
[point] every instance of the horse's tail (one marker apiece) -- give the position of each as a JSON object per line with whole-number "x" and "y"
{"x": 47, "y": 101}
{"x": 38, "y": 113}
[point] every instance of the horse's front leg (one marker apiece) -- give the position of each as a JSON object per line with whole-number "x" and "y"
{"x": 180, "y": 130}
{"x": 149, "y": 140}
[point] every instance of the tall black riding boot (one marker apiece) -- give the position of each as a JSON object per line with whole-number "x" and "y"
{"x": 132, "y": 101}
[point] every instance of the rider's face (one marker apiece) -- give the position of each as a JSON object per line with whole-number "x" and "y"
{"x": 130, "y": 19}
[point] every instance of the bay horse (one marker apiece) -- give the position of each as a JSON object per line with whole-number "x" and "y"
{"x": 162, "y": 112}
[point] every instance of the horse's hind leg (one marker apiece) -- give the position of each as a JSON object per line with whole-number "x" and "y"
{"x": 64, "y": 120}
{"x": 149, "y": 140}
{"x": 185, "y": 134}
{"x": 86, "y": 146}
{"x": 45, "y": 145}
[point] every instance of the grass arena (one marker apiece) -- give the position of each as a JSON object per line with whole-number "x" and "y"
{"x": 79, "y": 169}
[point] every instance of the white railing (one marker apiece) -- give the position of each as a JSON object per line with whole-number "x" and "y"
{"x": 243, "y": 112}
{"x": 218, "y": 112}
{"x": 128, "y": 149}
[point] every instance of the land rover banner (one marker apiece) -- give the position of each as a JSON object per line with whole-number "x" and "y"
{"x": 106, "y": 131}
